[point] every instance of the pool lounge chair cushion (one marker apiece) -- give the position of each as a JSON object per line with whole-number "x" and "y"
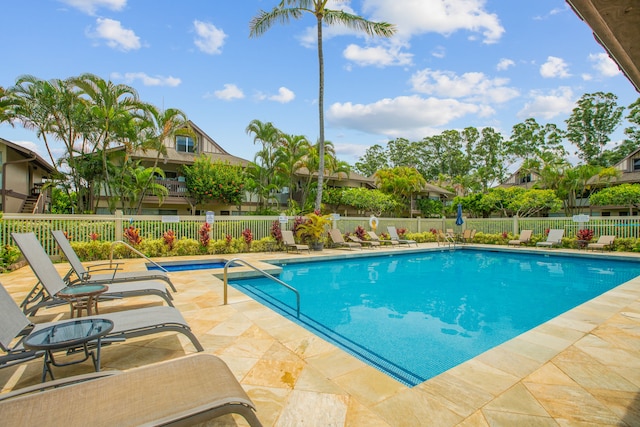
{"x": 374, "y": 238}
{"x": 554, "y": 238}
{"x": 290, "y": 243}
{"x": 87, "y": 275}
{"x": 50, "y": 282}
{"x": 393, "y": 234}
{"x": 184, "y": 391}
{"x": 338, "y": 240}
{"x": 525, "y": 237}
{"x": 603, "y": 243}
{"x": 369, "y": 243}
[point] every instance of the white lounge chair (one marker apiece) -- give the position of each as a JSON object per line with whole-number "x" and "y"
{"x": 554, "y": 238}
{"x": 525, "y": 237}
{"x": 604, "y": 242}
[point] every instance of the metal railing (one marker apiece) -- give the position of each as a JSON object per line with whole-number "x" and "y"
{"x": 265, "y": 274}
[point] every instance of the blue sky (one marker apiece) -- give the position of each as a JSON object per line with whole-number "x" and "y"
{"x": 452, "y": 64}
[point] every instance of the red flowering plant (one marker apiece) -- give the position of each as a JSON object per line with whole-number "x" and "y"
{"x": 360, "y": 232}
{"x": 94, "y": 236}
{"x": 248, "y": 238}
{"x": 169, "y": 238}
{"x": 132, "y": 234}
{"x": 401, "y": 232}
{"x": 228, "y": 239}
{"x": 585, "y": 234}
{"x": 276, "y": 231}
{"x": 204, "y": 234}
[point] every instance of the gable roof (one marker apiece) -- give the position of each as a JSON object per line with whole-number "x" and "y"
{"x": 26, "y": 153}
{"x": 616, "y": 26}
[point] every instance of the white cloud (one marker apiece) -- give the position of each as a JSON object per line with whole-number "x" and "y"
{"x": 115, "y": 35}
{"x": 209, "y": 38}
{"x": 549, "y": 105}
{"x": 229, "y": 92}
{"x": 351, "y": 151}
{"x": 504, "y": 64}
{"x": 414, "y": 17}
{"x": 91, "y": 6}
{"x": 604, "y": 65}
{"x": 473, "y": 86}
{"x": 146, "y": 79}
{"x": 377, "y": 55}
{"x": 284, "y": 96}
{"x": 404, "y": 116}
{"x": 554, "y": 67}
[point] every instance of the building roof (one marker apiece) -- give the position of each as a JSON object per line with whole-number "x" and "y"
{"x": 28, "y": 153}
{"x": 616, "y": 26}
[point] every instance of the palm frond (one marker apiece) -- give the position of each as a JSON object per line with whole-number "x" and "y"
{"x": 382, "y": 29}
{"x": 262, "y": 22}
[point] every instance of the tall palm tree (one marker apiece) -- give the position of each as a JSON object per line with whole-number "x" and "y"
{"x": 291, "y": 152}
{"x": 293, "y": 9}
{"x": 160, "y": 126}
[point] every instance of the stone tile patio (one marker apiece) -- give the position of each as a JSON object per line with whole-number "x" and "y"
{"x": 581, "y": 368}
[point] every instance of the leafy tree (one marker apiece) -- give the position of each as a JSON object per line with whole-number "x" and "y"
{"x": 430, "y": 207}
{"x": 488, "y": 158}
{"x": 293, "y": 9}
{"x": 533, "y": 202}
{"x": 262, "y": 170}
{"x": 402, "y": 181}
{"x": 620, "y": 195}
{"x": 631, "y": 143}
{"x": 374, "y": 159}
{"x": 209, "y": 181}
{"x": 289, "y": 158}
{"x": 591, "y": 123}
{"x": 141, "y": 181}
{"x": 501, "y": 200}
{"x": 374, "y": 202}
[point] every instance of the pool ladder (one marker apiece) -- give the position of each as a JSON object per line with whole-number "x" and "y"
{"x": 131, "y": 248}
{"x": 265, "y": 274}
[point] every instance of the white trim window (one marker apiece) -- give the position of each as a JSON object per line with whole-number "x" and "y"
{"x": 185, "y": 144}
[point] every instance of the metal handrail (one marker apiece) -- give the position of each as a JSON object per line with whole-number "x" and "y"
{"x": 265, "y": 274}
{"x": 117, "y": 242}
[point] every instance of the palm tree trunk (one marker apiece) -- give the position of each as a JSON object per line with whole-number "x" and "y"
{"x": 320, "y": 115}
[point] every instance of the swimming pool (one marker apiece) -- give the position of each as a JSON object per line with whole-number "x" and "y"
{"x": 189, "y": 265}
{"x": 414, "y": 316}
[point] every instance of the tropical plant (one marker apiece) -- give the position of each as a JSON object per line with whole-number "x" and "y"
{"x": 208, "y": 181}
{"x": 293, "y": 9}
{"x": 312, "y": 228}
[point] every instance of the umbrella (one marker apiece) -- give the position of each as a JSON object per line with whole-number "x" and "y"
{"x": 459, "y": 220}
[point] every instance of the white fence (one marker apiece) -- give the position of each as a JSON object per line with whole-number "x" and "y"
{"x": 111, "y": 227}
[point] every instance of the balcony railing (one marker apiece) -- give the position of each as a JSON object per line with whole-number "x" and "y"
{"x": 176, "y": 188}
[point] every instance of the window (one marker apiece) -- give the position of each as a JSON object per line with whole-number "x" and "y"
{"x": 636, "y": 164}
{"x": 525, "y": 178}
{"x": 185, "y": 144}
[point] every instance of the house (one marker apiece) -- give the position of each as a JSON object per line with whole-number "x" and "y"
{"x": 628, "y": 173}
{"x": 24, "y": 174}
{"x": 182, "y": 150}
{"x": 521, "y": 178}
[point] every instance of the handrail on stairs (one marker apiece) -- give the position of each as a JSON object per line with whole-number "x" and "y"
{"x": 265, "y": 274}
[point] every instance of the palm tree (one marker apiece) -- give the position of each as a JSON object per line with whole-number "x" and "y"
{"x": 263, "y": 169}
{"x": 291, "y": 152}
{"x": 160, "y": 126}
{"x": 293, "y": 9}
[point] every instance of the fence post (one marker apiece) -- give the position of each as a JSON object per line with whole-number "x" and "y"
{"x": 118, "y": 224}
{"x": 516, "y": 226}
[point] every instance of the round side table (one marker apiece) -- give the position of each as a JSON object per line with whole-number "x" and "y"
{"x": 83, "y": 297}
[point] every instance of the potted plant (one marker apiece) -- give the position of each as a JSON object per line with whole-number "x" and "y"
{"x": 311, "y": 231}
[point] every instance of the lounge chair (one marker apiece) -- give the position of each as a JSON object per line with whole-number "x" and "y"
{"x": 338, "y": 240}
{"x": 369, "y": 243}
{"x": 604, "y": 242}
{"x": 374, "y": 238}
{"x": 393, "y": 234}
{"x": 50, "y": 282}
{"x": 15, "y": 327}
{"x": 85, "y": 275}
{"x": 525, "y": 237}
{"x": 185, "y": 391}
{"x": 445, "y": 238}
{"x": 290, "y": 243}
{"x": 465, "y": 237}
{"x": 554, "y": 238}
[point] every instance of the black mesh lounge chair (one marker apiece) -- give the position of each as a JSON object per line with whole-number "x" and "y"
{"x": 290, "y": 243}
{"x": 50, "y": 283}
{"x": 338, "y": 240}
{"x": 184, "y": 391}
{"x": 81, "y": 274}
{"x": 15, "y": 327}
{"x": 393, "y": 234}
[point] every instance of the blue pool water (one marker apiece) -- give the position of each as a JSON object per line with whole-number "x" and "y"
{"x": 416, "y": 315}
{"x": 188, "y": 265}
